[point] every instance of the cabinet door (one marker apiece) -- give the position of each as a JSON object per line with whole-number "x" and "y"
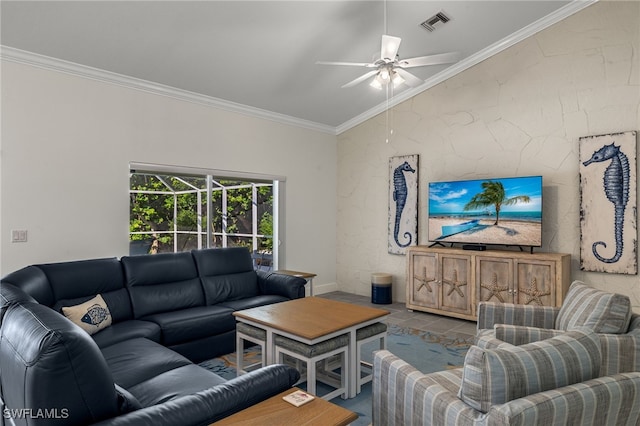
{"x": 494, "y": 279}
{"x": 424, "y": 288}
{"x": 535, "y": 282}
{"x": 454, "y": 280}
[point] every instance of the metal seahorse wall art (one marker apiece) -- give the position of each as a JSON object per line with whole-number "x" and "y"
{"x": 616, "y": 188}
{"x": 400, "y": 193}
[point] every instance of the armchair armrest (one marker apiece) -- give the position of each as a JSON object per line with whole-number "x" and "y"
{"x": 620, "y": 352}
{"x": 516, "y": 335}
{"x": 491, "y": 313}
{"x": 403, "y": 395}
{"x": 282, "y": 285}
{"x": 214, "y": 403}
{"x": 604, "y": 400}
{"x": 521, "y": 335}
{"x": 634, "y": 324}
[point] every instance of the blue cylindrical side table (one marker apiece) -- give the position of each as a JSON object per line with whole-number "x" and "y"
{"x": 381, "y": 288}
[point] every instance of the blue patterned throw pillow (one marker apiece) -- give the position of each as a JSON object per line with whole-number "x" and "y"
{"x": 92, "y": 315}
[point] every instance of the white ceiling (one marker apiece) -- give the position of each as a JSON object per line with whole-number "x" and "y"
{"x": 259, "y": 56}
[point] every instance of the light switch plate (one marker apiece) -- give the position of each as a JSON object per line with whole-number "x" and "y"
{"x": 19, "y": 236}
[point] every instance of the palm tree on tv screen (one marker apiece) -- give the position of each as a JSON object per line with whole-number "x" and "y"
{"x": 493, "y": 194}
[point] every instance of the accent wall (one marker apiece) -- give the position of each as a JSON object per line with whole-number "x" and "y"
{"x": 520, "y": 112}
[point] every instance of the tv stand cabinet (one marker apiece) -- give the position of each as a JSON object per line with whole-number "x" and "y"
{"x": 450, "y": 281}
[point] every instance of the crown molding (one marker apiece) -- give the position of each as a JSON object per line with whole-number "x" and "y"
{"x": 41, "y": 61}
{"x": 532, "y": 29}
{"x": 54, "y": 64}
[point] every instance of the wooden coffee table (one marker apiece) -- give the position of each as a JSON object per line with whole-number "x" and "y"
{"x": 311, "y": 320}
{"x": 277, "y": 412}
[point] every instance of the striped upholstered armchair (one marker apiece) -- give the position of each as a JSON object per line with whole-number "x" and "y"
{"x": 571, "y": 375}
{"x": 608, "y": 314}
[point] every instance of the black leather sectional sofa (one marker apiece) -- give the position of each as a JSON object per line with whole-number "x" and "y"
{"x": 168, "y": 311}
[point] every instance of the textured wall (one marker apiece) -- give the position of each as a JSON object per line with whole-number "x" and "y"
{"x": 520, "y": 112}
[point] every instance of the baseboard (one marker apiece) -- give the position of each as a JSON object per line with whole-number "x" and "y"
{"x": 323, "y": 288}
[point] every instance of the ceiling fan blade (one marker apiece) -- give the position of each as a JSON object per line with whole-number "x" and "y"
{"x": 390, "y": 46}
{"x": 360, "y": 79}
{"x": 352, "y": 64}
{"x": 442, "y": 58}
{"x": 409, "y": 78}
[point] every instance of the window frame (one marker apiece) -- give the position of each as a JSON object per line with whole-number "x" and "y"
{"x": 212, "y": 176}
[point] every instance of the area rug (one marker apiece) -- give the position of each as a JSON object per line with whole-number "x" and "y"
{"x": 425, "y": 350}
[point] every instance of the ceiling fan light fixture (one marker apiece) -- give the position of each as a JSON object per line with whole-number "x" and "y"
{"x": 375, "y": 83}
{"x": 397, "y": 79}
{"x": 391, "y": 69}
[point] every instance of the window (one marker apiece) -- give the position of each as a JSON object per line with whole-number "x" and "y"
{"x": 181, "y": 209}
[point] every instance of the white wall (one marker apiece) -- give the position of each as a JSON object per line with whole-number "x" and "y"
{"x": 66, "y": 146}
{"x": 520, "y": 112}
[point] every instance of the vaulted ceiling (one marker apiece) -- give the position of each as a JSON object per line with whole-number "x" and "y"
{"x": 259, "y": 57}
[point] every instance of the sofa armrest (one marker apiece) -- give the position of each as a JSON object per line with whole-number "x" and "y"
{"x": 280, "y": 284}
{"x": 215, "y": 403}
{"x": 403, "y": 395}
{"x": 604, "y": 400}
{"x": 491, "y": 313}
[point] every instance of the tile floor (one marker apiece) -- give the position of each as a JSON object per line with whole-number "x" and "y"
{"x": 401, "y": 316}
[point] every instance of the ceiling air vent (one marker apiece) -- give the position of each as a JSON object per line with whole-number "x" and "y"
{"x": 435, "y": 21}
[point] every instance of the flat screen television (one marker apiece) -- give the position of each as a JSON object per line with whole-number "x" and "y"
{"x": 500, "y": 211}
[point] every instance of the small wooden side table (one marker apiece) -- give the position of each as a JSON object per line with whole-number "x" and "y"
{"x": 308, "y": 276}
{"x": 277, "y": 412}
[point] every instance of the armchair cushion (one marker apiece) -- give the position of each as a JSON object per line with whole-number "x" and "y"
{"x": 496, "y": 376}
{"x": 598, "y": 310}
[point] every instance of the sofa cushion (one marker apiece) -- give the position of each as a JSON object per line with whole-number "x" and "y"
{"x": 603, "y": 312}
{"x": 193, "y": 323}
{"x": 230, "y": 287}
{"x": 172, "y": 384}
{"x": 77, "y": 279}
{"x": 496, "y": 376}
{"x": 48, "y": 362}
{"x": 208, "y": 347}
{"x": 162, "y": 283}
{"x": 127, "y": 330}
{"x": 222, "y": 261}
{"x": 91, "y": 316}
{"x": 226, "y": 273}
{"x": 252, "y": 302}
{"x": 137, "y": 360}
{"x": 126, "y": 401}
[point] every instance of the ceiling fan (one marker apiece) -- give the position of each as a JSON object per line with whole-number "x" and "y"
{"x": 390, "y": 69}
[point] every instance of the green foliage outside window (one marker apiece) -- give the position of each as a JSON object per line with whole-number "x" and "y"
{"x": 152, "y": 212}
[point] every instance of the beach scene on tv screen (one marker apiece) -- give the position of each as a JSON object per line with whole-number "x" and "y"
{"x": 505, "y": 211}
